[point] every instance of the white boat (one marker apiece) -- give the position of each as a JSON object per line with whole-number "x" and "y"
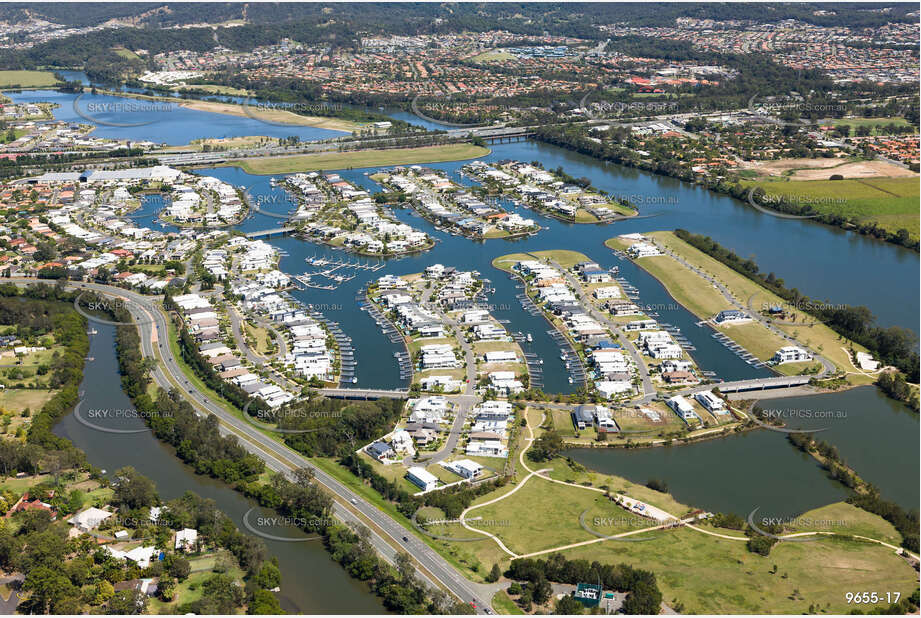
{"x": 570, "y": 380}
{"x": 562, "y": 356}
{"x": 529, "y": 338}
{"x": 354, "y": 380}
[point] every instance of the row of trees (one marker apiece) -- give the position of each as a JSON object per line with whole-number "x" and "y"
{"x": 669, "y": 157}
{"x": 894, "y": 345}
{"x": 864, "y": 495}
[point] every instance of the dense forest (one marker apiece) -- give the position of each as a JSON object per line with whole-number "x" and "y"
{"x": 409, "y": 18}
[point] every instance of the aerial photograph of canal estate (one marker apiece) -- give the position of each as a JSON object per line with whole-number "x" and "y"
{"x": 448, "y": 308}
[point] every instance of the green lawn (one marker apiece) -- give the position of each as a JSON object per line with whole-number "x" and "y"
{"x": 868, "y": 122}
{"x": 495, "y": 55}
{"x": 705, "y": 574}
{"x": 560, "y": 508}
{"x": 503, "y": 604}
{"x": 892, "y": 203}
{"x": 845, "y": 518}
{"x": 818, "y": 336}
{"x": 18, "y": 399}
{"x": 27, "y": 79}
{"x": 362, "y": 158}
{"x": 714, "y": 576}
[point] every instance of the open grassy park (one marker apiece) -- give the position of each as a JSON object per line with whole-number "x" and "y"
{"x": 362, "y": 158}
{"x": 27, "y": 79}
{"x": 891, "y": 203}
{"x": 699, "y": 570}
{"x": 563, "y": 257}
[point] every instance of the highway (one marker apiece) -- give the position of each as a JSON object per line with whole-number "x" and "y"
{"x": 387, "y": 534}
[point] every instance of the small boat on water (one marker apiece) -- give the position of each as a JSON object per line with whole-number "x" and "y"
{"x": 354, "y": 380}
{"x": 529, "y": 338}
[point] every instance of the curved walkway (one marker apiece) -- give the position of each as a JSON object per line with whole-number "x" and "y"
{"x": 669, "y": 520}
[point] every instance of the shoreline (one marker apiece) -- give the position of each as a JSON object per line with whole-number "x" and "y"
{"x": 272, "y": 117}
{"x": 715, "y": 188}
{"x": 366, "y": 159}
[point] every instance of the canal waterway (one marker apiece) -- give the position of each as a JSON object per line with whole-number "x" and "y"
{"x": 758, "y": 469}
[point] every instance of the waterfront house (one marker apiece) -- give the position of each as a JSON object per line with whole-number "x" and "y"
{"x": 731, "y": 316}
{"x": 711, "y": 402}
{"x": 422, "y": 478}
{"x": 791, "y": 354}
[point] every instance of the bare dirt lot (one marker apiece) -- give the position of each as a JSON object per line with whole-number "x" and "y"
{"x": 821, "y": 169}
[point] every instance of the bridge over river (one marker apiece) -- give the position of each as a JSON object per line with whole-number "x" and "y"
{"x": 755, "y": 384}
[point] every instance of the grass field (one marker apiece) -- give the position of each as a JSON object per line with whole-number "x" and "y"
{"x": 261, "y": 337}
{"x": 696, "y": 572}
{"x": 493, "y": 56}
{"x": 525, "y": 532}
{"x": 892, "y": 203}
{"x": 868, "y": 122}
{"x": 18, "y": 399}
{"x": 705, "y": 301}
{"x": 126, "y": 53}
{"x": 712, "y": 575}
{"x": 503, "y": 604}
{"x": 818, "y": 336}
{"x": 362, "y": 158}
{"x": 216, "y": 89}
{"x": 27, "y": 79}
{"x": 846, "y": 518}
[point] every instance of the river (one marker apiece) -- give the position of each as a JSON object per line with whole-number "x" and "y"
{"x": 738, "y": 473}
{"x": 311, "y": 582}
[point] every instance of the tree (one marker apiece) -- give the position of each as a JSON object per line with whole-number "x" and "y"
{"x": 47, "y": 585}
{"x": 263, "y": 602}
{"x": 540, "y": 590}
{"x": 127, "y": 603}
{"x": 133, "y": 490}
{"x": 269, "y": 576}
{"x": 567, "y": 605}
{"x": 546, "y": 447}
{"x": 494, "y": 574}
{"x": 645, "y": 598}
{"x": 179, "y": 568}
